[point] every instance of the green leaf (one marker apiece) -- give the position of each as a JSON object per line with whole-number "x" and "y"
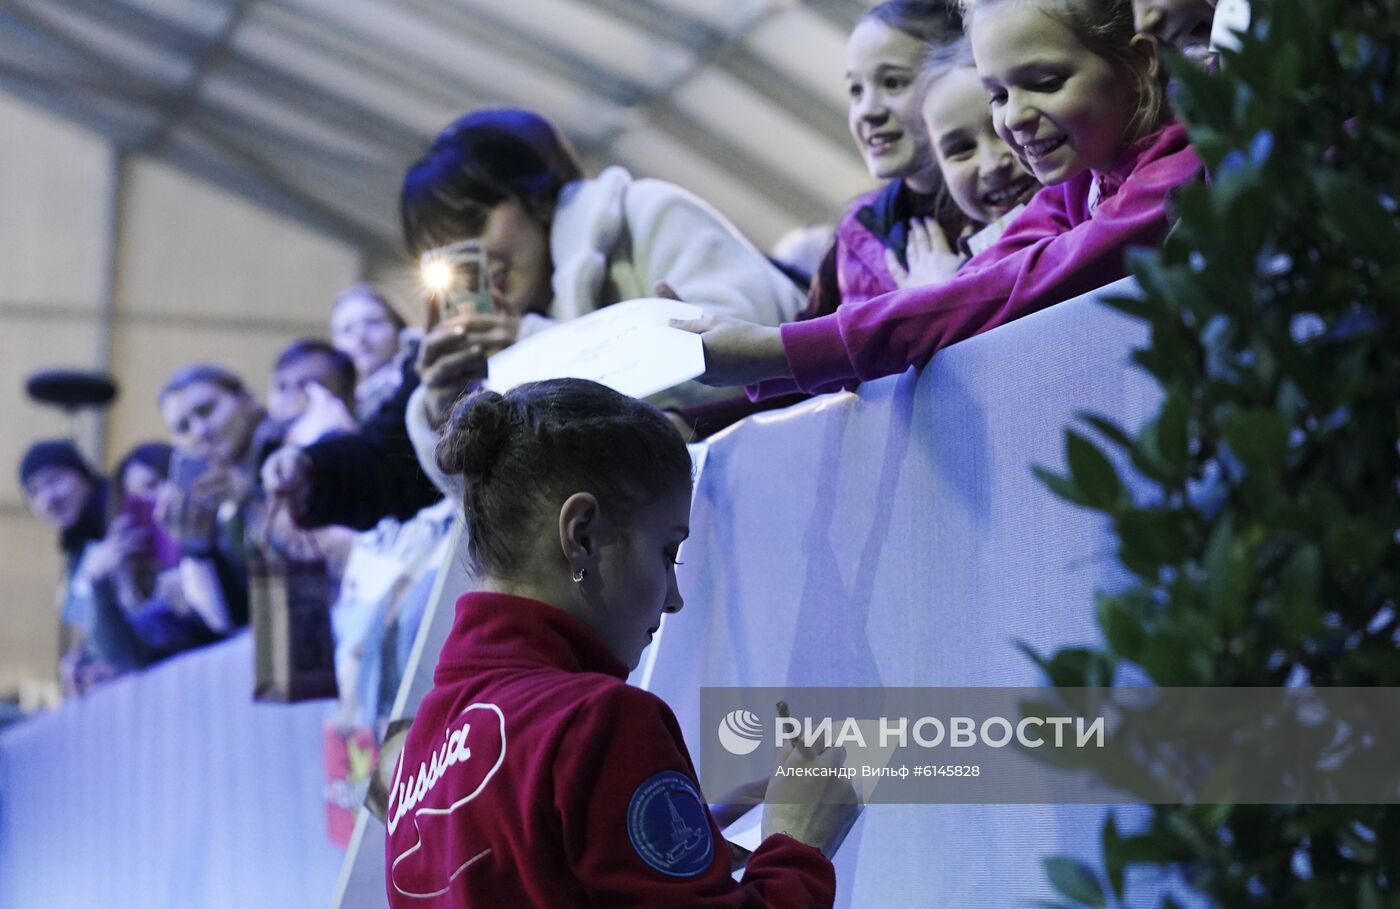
{"x": 1227, "y": 575}
{"x": 1074, "y": 880}
{"x": 1073, "y": 667}
{"x": 1114, "y": 859}
{"x": 1064, "y": 487}
{"x": 1172, "y": 438}
{"x": 1258, "y": 437}
{"x": 1109, "y": 429}
{"x": 1353, "y": 211}
{"x": 1153, "y": 535}
{"x": 1121, "y": 626}
{"x": 1093, "y": 473}
{"x": 1300, "y": 586}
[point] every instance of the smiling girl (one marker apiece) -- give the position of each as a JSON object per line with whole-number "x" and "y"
{"x": 533, "y": 775}
{"x": 983, "y": 176}
{"x": 883, "y": 55}
{"x": 1077, "y": 95}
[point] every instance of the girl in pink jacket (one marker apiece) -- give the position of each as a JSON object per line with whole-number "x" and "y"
{"x": 1077, "y": 94}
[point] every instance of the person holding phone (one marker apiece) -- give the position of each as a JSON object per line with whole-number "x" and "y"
{"x": 559, "y": 244}
{"x": 214, "y": 423}
{"x": 126, "y": 593}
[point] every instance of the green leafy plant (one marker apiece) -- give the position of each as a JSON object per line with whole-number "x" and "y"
{"x": 1258, "y": 510}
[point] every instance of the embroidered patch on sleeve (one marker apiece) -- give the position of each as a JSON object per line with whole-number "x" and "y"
{"x": 669, "y": 826}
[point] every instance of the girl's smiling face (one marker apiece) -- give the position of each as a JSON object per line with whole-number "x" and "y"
{"x": 1062, "y": 109}
{"x": 881, "y": 66}
{"x": 982, "y": 175}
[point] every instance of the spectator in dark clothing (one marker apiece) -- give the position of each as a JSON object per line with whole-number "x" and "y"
{"x": 64, "y": 491}
{"x": 355, "y": 480}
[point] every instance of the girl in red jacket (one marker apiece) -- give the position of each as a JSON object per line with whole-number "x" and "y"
{"x": 1077, "y": 94}
{"x": 533, "y": 775}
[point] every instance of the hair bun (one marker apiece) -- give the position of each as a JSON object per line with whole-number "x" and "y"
{"x": 479, "y": 429}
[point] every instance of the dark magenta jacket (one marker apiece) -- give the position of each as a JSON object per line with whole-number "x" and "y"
{"x": 1060, "y": 247}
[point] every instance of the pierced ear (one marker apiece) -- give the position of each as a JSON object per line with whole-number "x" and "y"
{"x": 578, "y": 528}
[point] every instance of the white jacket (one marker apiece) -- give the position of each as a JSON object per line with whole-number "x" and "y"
{"x": 613, "y": 238}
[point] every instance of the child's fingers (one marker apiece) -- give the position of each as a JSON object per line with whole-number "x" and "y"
{"x": 433, "y": 314}
{"x": 665, "y": 291}
{"x": 897, "y": 271}
{"x": 935, "y": 239}
{"x": 919, "y": 241}
{"x": 697, "y": 326}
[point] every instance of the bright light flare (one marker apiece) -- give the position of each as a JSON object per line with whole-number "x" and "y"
{"x": 437, "y": 274}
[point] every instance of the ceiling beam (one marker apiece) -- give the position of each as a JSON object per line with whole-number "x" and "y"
{"x": 728, "y": 52}
{"x": 185, "y": 98}
{"x": 272, "y": 80}
{"x": 769, "y": 181}
{"x": 245, "y": 176}
{"x": 844, "y": 14}
{"x": 216, "y": 128}
{"x": 69, "y": 107}
{"x": 253, "y": 188}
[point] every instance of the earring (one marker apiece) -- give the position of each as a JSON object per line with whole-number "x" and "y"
{"x": 579, "y": 575}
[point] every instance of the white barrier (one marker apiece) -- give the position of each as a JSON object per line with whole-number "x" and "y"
{"x": 894, "y": 537}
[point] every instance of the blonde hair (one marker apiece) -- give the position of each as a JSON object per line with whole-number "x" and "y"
{"x": 1106, "y": 29}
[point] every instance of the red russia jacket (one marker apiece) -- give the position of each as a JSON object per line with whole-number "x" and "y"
{"x": 534, "y": 775}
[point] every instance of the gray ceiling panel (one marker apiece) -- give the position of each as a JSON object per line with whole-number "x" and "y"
{"x": 314, "y": 107}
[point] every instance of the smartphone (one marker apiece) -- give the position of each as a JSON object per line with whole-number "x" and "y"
{"x": 163, "y": 547}
{"x": 186, "y": 468}
{"x": 458, "y": 276}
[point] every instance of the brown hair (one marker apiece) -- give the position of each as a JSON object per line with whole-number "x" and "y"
{"x": 928, "y": 21}
{"x": 482, "y": 159}
{"x": 524, "y": 452}
{"x": 943, "y": 59}
{"x": 1106, "y": 29}
{"x": 370, "y": 292}
{"x": 205, "y": 374}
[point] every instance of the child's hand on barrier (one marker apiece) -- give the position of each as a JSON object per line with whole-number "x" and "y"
{"x": 737, "y": 352}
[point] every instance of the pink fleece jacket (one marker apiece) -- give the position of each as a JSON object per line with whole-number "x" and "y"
{"x": 1063, "y": 245}
{"x": 861, "y": 272}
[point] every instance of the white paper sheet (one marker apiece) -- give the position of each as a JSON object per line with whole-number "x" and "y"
{"x": 629, "y": 347}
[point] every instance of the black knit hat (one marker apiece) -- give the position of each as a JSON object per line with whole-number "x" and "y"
{"x": 53, "y": 453}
